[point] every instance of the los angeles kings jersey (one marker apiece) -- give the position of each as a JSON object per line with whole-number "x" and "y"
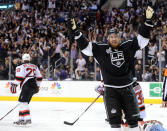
{"x": 25, "y": 72}
{"x": 115, "y": 64}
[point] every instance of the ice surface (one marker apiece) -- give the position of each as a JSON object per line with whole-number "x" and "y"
{"x": 49, "y": 116}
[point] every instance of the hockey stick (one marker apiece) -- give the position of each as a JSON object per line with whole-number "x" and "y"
{"x": 10, "y": 111}
{"x": 72, "y": 123}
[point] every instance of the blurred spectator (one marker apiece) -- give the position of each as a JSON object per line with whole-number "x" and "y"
{"x": 147, "y": 76}
{"x": 98, "y": 74}
{"x": 73, "y": 52}
{"x": 152, "y": 49}
{"x": 90, "y": 65}
{"x": 3, "y": 73}
{"x": 78, "y": 74}
{"x": 161, "y": 58}
{"x": 65, "y": 59}
{"x": 138, "y": 72}
{"x": 62, "y": 73}
{"x": 81, "y": 62}
{"x": 155, "y": 73}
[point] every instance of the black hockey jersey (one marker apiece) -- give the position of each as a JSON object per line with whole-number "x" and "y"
{"x": 164, "y": 93}
{"x": 115, "y": 64}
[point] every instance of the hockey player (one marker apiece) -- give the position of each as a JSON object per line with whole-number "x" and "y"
{"x": 113, "y": 58}
{"x": 164, "y": 96}
{"x": 140, "y": 99}
{"x": 28, "y": 77}
{"x": 139, "y": 96}
{"x": 153, "y": 125}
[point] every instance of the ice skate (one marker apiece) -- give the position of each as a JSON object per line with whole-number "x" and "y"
{"x": 27, "y": 122}
{"x": 19, "y": 122}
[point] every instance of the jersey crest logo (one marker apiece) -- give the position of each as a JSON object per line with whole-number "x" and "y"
{"x": 117, "y": 57}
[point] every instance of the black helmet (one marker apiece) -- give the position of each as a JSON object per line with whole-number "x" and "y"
{"x": 112, "y": 30}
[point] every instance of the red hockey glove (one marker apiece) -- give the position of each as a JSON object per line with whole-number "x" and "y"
{"x": 100, "y": 89}
{"x": 13, "y": 88}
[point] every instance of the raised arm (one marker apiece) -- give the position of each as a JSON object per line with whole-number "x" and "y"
{"x": 145, "y": 28}
{"x": 84, "y": 45}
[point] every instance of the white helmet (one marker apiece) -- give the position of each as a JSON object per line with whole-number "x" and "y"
{"x": 26, "y": 57}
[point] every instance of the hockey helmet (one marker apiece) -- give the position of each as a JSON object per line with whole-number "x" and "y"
{"x": 26, "y": 57}
{"x": 112, "y": 30}
{"x": 153, "y": 126}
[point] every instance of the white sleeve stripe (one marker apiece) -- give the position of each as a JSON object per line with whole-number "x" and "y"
{"x": 101, "y": 44}
{"x": 88, "y": 50}
{"x": 142, "y": 41}
{"x": 125, "y": 42}
{"x": 148, "y": 24}
{"x": 77, "y": 37}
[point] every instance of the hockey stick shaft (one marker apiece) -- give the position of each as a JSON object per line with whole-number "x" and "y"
{"x": 68, "y": 123}
{"x": 9, "y": 112}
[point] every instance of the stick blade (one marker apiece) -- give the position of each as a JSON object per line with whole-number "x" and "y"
{"x": 68, "y": 123}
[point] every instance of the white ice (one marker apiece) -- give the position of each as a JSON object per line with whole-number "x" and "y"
{"x": 49, "y": 116}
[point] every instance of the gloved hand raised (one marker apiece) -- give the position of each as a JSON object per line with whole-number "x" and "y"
{"x": 149, "y": 13}
{"x": 74, "y": 27}
{"x": 71, "y": 24}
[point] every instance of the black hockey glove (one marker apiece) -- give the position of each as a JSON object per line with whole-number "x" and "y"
{"x": 147, "y": 26}
{"x": 73, "y": 27}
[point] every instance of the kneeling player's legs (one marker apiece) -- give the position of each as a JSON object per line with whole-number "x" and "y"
{"x": 113, "y": 107}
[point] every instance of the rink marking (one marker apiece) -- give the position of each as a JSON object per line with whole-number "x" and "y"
{"x": 71, "y": 99}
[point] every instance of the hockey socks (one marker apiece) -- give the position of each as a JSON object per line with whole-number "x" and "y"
{"x": 24, "y": 114}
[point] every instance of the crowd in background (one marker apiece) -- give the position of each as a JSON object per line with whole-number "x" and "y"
{"x": 39, "y": 27}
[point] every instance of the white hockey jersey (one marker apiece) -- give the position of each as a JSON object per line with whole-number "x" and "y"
{"x": 25, "y": 72}
{"x": 140, "y": 99}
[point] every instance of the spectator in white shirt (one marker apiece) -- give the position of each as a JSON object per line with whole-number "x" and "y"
{"x": 81, "y": 62}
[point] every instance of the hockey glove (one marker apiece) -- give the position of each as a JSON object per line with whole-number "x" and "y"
{"x": 73, "y": 27}
{"x": 145, "y": 28}
{"x": 100, "y": 89}
{"x": 149, "y": 15}
{"x": 13, "y": 88}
